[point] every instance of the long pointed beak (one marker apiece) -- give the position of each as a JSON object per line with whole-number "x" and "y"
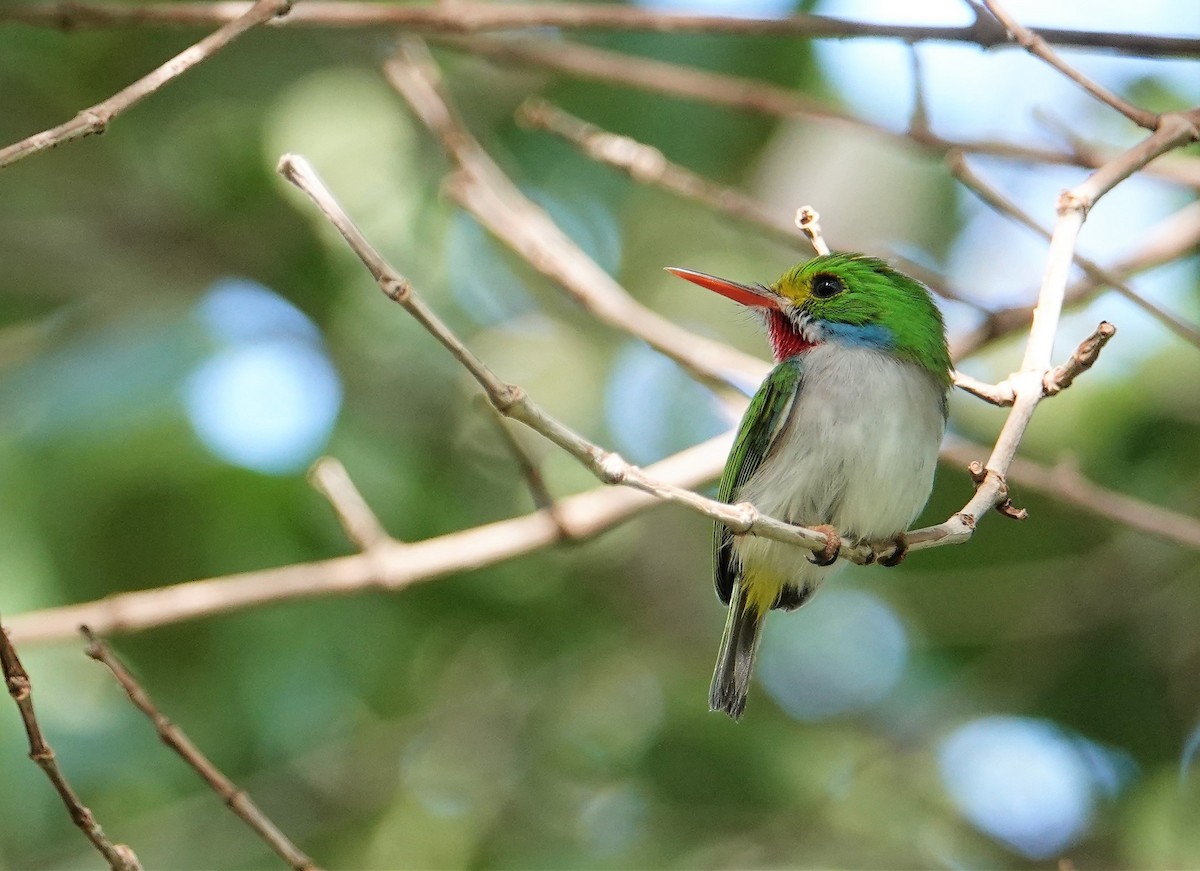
{"x": 746, "y": 294}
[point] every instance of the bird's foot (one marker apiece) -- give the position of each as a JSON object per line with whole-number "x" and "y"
{"x": 899, "y": 552}
{"x": 833, "y": 546}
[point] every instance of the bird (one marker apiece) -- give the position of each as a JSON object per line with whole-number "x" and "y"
{"x": 842, "y": 436}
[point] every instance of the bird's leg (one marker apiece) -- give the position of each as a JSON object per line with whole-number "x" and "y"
{"x": 899, "y": 552}
{"x": 833, "y": 546}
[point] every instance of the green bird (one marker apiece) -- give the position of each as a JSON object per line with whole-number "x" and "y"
{"x": 842, "y": 435}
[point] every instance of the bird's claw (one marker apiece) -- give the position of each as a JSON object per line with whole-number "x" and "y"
{"x": 899, "y": 552}
{"x": 833, "y": 546}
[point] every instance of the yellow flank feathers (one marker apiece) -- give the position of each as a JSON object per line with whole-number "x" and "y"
{"x": 761, "y": 590}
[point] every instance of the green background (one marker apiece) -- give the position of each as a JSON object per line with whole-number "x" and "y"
{"x": 549, "y": 712}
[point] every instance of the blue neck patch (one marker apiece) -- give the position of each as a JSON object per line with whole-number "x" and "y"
{"x": 865, "y": 336}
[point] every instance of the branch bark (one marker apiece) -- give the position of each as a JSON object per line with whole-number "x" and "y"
{"x": 465, "y": 16}
{"x": 175, "y": 738}
{"x": 118, "y": 856}
{"x": 96, "y": 119}
{"x": 751, "y": 95}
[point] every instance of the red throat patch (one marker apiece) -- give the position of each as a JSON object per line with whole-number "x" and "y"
{"x": 786, "y": 340}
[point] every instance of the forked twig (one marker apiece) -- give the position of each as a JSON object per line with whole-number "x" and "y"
{"x": 118, "y": 856}
{"x": 95, "y": 119}
{"x": 236, "y": 799}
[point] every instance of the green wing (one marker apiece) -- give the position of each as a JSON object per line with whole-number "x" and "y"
{"x": 761, "y": 424}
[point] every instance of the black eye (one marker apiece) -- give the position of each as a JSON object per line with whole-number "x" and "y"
{"x": 825, "y": 285}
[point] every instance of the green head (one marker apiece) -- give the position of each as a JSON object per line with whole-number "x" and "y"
{"x": 851, "y": 299}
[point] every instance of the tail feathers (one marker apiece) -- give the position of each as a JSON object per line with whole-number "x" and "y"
{"x": 735, "y": 662}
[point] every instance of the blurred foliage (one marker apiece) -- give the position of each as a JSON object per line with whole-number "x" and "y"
{"x": 549, "y": 712}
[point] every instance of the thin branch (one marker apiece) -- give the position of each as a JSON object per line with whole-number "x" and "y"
{"x": 96, "y": 119}
{"x": 526, "y": 465}
{"x": 1029, "y": 384}
{"x": 1084, "y": 358}
{"x": 118, "y": 856}
{"x": 1055, "y": 381}
{"x": 464, "y": 16}
{"x": 1038, "y": 47}
{"x": 1168, "y": 240}
{"x": 393, "y": 566}
{"x": 1098, "y": 275}
{"x": 753, "y": 95}
{"x": 512, "y": 401}
{"x": 173, "y": 736}
{"x": 362, "y": 527}
{"x": 483, "y": 189}
{"x": 647, "y": 165}
{"x": 586, "y": 515}
{"x": 1064, "y": 483}
{"x": 742, "y": 518}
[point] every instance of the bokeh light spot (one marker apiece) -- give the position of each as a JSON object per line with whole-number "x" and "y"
{"x": 1026, "y": 782}
{"x": 268, "y": 407}
{"x": 236, "y": 310}
{"x": 268, "y": 397}
{"x": 842, "y": 652}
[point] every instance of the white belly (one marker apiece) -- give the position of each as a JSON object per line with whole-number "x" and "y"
{"x": 857, "y": 452}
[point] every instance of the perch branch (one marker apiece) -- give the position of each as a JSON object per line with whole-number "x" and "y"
{"x": 118, "y": 856}
{"x": 175, "y": 738}
{"x": 610, "y": 468}
{"x": 96, "y": 119}
{"x": 586, "y": 515}
{"x": 512, "y": 401}
{"x": 464, "y": 16}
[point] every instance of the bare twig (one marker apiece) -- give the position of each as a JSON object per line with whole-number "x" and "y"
{"x": 528, "y": 467}
{"x": 482, "y": 188}
{"x": 332, "y": 480}
{"x": 1097, "y": 274}
{"x": 237, "y": 800}
{"x": 391, "y": 567}
{"x": 647, "y": 165}
{"x": 118, "y": 856}
{"x": 1168, "y": 240}
{"x": 96, "y": 119}
{"x": 1038, "y": 47}
{"x": 808, "y": 222}
{"x": 1029, "y": 384}
{"x": 514, "y": 402}
{"x": 1084, "y": 357}
{"x": 752, "y": 95}
{"x": 1064, "y": 483}
{"x": 465, "y": 16}
{"x": 1055, "y": 381}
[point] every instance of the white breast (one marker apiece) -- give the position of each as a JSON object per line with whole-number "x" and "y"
{"x": 857, "y": 452}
